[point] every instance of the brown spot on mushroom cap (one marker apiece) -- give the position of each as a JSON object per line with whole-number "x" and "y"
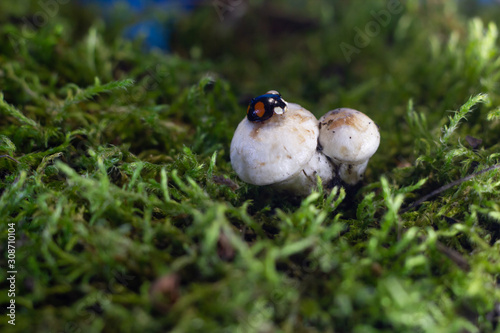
{"x": 344, "y": 150}
{"x": 348, "y": 135}
{"x": 255, "y": 131}
{"x": 277, "y": 121}
{"x": 338, "y": 118}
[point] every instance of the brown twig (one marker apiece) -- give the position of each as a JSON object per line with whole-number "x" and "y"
{"x": 446, "y": 187}
{"x": 452, "y": 254}
{"x": 10, "y": 158}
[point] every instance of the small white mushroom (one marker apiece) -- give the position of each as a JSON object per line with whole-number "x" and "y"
{"x": 280, "y": 150}
{"x": 349, "y": 138}
{"x": 305, "y": 180}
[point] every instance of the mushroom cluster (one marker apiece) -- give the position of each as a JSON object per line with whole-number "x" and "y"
{"x": 283, "y": 144}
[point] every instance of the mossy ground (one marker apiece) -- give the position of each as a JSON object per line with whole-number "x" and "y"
{"x": 129, "y": 218}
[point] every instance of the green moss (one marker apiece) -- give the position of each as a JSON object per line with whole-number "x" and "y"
{"x": 128, "y": 216}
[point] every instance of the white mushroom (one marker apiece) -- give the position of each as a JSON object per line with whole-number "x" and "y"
{"x": 280, "y": 150}
{"x": 305, "y": 180}
{"x": 349, "y": 138}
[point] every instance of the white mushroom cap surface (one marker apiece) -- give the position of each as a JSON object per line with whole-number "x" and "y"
{"x": 271, "y": 151}
{"x": 348, "y": 136}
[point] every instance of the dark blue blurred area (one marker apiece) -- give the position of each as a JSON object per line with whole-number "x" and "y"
{"x": 141, "y": 5}
{"x": 155, "y": 33}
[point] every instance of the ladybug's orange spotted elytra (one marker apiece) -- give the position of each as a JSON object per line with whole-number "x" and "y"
{"x": 263, "y": 107}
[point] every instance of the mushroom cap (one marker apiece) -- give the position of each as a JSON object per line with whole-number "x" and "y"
{"x": 348, "y": 135}
{"x": 275, "y": 149}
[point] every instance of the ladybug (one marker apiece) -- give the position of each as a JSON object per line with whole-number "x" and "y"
{"x": 263, "y": 107}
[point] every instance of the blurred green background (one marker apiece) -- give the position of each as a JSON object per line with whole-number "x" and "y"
{"x": 130, "y": 218}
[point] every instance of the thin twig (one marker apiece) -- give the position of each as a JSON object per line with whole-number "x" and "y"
{"x": 10, "y": 158}
{"x": 452, "y": 254}
{"x": 446, "y": 187}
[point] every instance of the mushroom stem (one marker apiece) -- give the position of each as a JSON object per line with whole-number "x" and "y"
{"x": 305, "y": 180}
{"x": 351, "y": 174}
